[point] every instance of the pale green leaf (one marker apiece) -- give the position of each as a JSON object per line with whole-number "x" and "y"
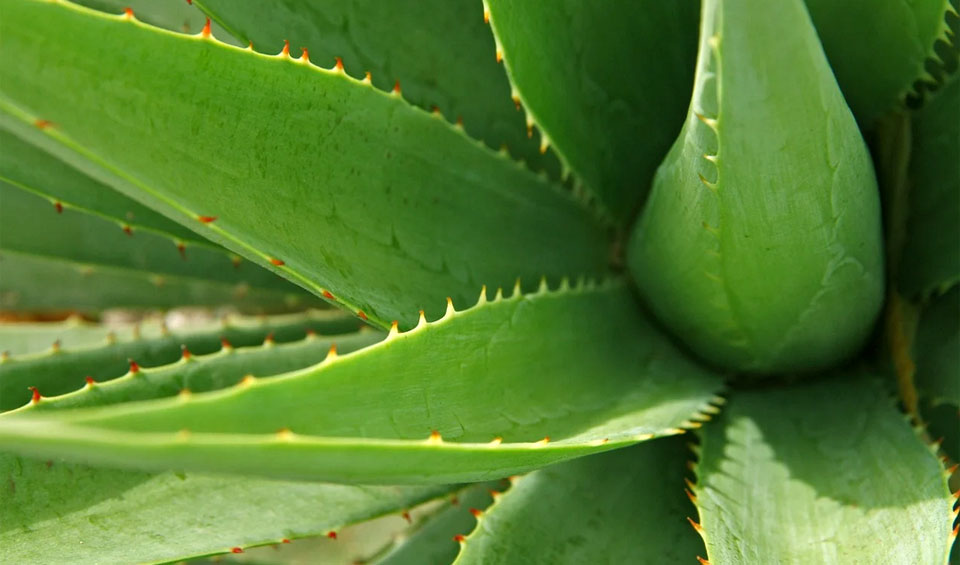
{"x": 507, "y": 386}
{"x": 392, "y": 210}
{"x": 827, "y": 472}
{"x": 55, "y": 512}
{"x": 761, "y": 244}
{"x": 626, "y": 506}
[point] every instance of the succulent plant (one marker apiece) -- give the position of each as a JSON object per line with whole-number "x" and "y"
{"x": 589, "y": 262}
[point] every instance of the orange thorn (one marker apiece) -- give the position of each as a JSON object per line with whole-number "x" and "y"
{"x": 304, "y": 55}
{"x": 128, "y": 12}
{"x": 42, "y": 124}
{"x": 456, "y": 501}
{"x": 35, "y": 397}
{"x": 459, "y": 538}
{"x": 205, "y": 32}
{"x": 690, "y": 495}
{"x": 328, "y": 295}
{"x": 367, "y": 77}
{"x": 134, "y": 368}
{"x": 248, "y": 380}
{"x": 332, "y": 352}
{"x": 285, "y": 52}
{"x": 435, "y": 109}
{"x": 406, "y": 516}
{"x": 225, "y": 343}
{"x": 460, "y": 121}
{"x": 236, "y": 550}
{"x": 529, "y": 130}
{"x": 695, "y": 525}
{"x": 89, "y": 380}
{"x": 702, "y": 561}
{"x": 516, "y": 102}
{"x": 486, "y": 17}
{"x": 128, "y": 230}
{"x": 183, "y": 250}
{"x": 268, "y": 339}
{"x": 285, "y": 540}
{"x": 277, "y": 262}
{"x": 184, "y": 352}
{"x": 206, "y": 219}
{"x": 59, "y": 206}
{"x": 332, "y": 535}
{"x": 250, "y": 45}
{"x": 499, "y": 56}
{"x": 362, "y": 315}
{"x": 396, "y": 88}
{"x": 435, "y": 436}
{"x": 953, "y": 468}
{"x": 339, "y": 64}
{"x": 476, "y": 513}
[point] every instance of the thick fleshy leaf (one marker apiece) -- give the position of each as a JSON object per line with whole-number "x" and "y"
{"x": 32, "y": 225}
{"x": 895, "y": 46}
{"x": 827, "y": 472}
{"x": 18, "y": 338}
{"x": 604, "y": 81}
{"x": 60, "y": 370}
{"x": 54, "y": 512}
{"x": 625, "y": 506}
{"x": 209, "y": 372}
{"x": 504, "y": 387}
{"x": 434, "y": 539}
{"x": 439, "y": 51}
{"x": 761, "y": 244}
{"x": 394, "y": 210}
{"x": 931, "y": 251}
{"x": 936, "y": 349}
{"x": 36, "y": 283}
{"x": 59, "y": 512}
{"x": 33, "y": 169}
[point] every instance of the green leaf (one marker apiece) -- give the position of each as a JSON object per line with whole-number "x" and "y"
{"x": 602, "y": 80}
{"x": 931, "y": 253}
{"x": 895, "y": 46}
{"x": 393, "y": 210}
{"x": 627, "y": 505}
{"x": 553, "y": 375}
{"x": 431, "y": 539}
{"x": 936, "y": 349}
{"x": 761, "y": 242}
{"x": 36, "y": 283}
{"x": 209, "y": 372}
{"x": 60, "y": 370}
{"x": 32, "y": 169}
{"x": 29, "y": 224}
{"x": 827, "y": 472}
{"x": 18, "y": 338}
{"x": 439, "y": 51}
{"x": 55, "y": 512}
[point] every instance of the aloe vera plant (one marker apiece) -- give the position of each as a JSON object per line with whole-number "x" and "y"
{"x": 588, "y": 262}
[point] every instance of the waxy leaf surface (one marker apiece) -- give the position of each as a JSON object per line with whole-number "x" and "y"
{"x": 345, "y": 189}
{"x": 603, "y": 81}
{"x": 627, "y": 505}
{"x": 828, "y": 472}
{"x": 504, "y": 387}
